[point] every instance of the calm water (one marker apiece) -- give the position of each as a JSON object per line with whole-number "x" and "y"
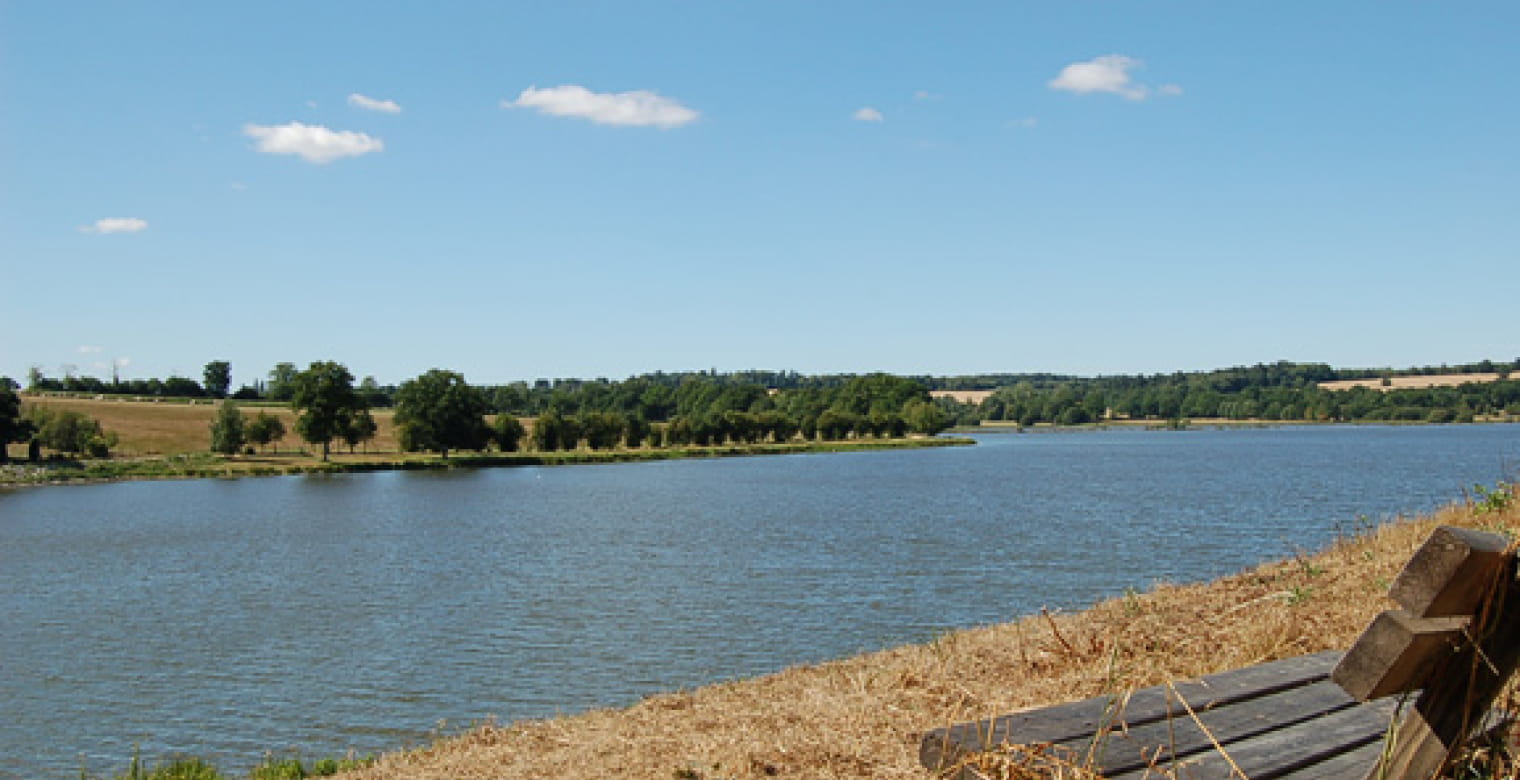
{"x": 228, "y": 618}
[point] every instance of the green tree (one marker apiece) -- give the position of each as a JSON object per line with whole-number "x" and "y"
{"x": 227, "y": 430}
{"x": 602, "y": 430}
{"x": 508, "y": 432}
{"x": 440, "y": 411}
{"x": 263, "y": 429}
{"x": 636, "y": 431}
{"x": 372, "y": 393}
{"x": 72, "y": 433}
{"x": 282, "y": 382}
{"x": 359, "y": 428}
{"x": 925, "y": 417}
{"x": 324, "y": 399}
{"x": 13, "y": 426}
{"x": 218, "y": 378}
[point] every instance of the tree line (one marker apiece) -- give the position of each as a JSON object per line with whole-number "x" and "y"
{"x": 1281, "y": 392}
{"x": 439, "y": 411}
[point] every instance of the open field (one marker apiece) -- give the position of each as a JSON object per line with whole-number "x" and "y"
{"x": 1410, "y": 382}
{"x": 861, "y": 717}
{"x": 963, "y": 396}
{"x": 149, "y": 428}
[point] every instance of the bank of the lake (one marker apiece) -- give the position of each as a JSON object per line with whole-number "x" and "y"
{"x": 207, "y": 465}
{"x": 861, "y": 717}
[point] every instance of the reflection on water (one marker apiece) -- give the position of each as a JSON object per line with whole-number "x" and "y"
{"x": 229, "y": 618}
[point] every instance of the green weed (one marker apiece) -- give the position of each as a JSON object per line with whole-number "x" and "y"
{"x": 1493, "y": 500}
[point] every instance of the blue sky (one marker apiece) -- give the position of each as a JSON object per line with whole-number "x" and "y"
{"x": 521, "y": 190}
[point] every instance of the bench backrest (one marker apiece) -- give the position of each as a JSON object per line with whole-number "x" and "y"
{"x": 1456, "y": 640}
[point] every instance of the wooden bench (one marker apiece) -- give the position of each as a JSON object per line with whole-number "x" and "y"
{"x": 1435, "y": 665}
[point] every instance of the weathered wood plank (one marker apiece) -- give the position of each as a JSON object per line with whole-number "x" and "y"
{"x": 944, "y": 747}
{"x": 1302, "y": 747}
{"x": 1396, "y": 653}
{"x": 1460, "y": 690}
{"x": 1179, "y": 736}
{"x": 1350, "y": 765}
{"x": 1450, "y": 572}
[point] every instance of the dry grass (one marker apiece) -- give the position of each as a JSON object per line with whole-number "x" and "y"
{"x": 149, "y": 428}
{"x": 963, "y": 396}
{"x": 861, "y": 717}
{"x": 1410, "y": 382}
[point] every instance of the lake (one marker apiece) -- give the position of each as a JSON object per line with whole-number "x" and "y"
{"x": 227, "y": 618}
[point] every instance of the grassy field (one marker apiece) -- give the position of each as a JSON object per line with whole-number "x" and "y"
{"x": 155, "y": 428}
{"x": 1411, "y": 382}
{"x": 861, "y": 717}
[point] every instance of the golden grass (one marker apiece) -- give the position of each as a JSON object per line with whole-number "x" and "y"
{"x": 1410, "y": 382}
{"x": 861, "y": 717}
{"x": 963, "y": 396}
{"x": 149, "y": 428}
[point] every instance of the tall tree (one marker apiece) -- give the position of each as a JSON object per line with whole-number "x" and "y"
{"x": 440, "y": 411}
{"x": 324, "y": 399}
{"x": 218, "y": 378}
{"x": 282, "y": 379}
{"x": 13, "y": 427}
{"x": 228, "y": 433}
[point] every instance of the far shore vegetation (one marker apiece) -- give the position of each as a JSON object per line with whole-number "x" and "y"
{"x": 320, "y": 419}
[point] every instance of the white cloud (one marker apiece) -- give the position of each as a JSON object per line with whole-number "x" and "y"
{"x": 1109, "y": 73}
{"x": 314, "y": 143}
{"x": 1027, "y": 121}
{"x": 640, "y": 108}
{"x": 116, "y": 225}
{"x": 868, "y": 114}
{"x": 87, "y": 349}
{"x": 238, "y": 186}
{"x": 1169, "y": 90}
{"x": 370, "y": 104}
{"x": 924, "y": 94}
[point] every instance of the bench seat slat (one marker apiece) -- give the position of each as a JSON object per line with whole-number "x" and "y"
{"x": 1301, "y": 748}
{"x": 1074, "y": 720}
{"x": 1135, "y": 747}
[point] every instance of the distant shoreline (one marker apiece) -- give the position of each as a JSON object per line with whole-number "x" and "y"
{"x": 205, "y": 465}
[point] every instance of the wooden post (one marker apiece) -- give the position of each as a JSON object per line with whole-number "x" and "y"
{"x": 1460, "y": 691}
{"x": 1396, "y": 653}
{"x": 1450, "y": 573}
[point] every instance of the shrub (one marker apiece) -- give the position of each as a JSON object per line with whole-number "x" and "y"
{"x": 72, "y": 433}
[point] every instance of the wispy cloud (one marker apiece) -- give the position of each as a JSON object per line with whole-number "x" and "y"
{"x": 116, "y": 225}
{"x": 868, "y": 114}
{"x": 639, "y": 108}
{"x": 313, "y": 143}
{"x": 371, "y": 104}
{"x": 924, "y": 94}
{"x": 1026, "y": 122}
{"x": 1108, "y": 73}
{"x": 88, "y": 349}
